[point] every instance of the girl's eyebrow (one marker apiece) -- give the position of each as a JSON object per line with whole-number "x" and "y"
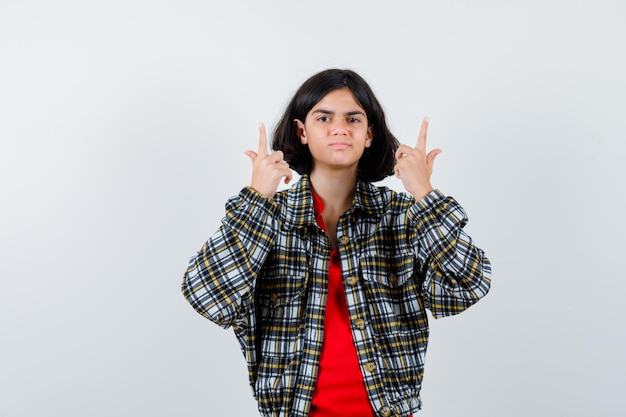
{"x": 349, "y": 113}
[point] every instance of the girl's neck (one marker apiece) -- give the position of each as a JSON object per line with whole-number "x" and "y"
{"x": 337, "y": 191}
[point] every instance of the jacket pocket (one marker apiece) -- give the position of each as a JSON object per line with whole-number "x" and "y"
{"x": 279, "y": 308}
{"x": 275, "y": 383}
{"x": 403, "y": 356}
{"x": 392, "y": 287}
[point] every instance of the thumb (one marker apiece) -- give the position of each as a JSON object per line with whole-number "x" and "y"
{"x": 251, "y": 154}
{"x": 430, "y": 158}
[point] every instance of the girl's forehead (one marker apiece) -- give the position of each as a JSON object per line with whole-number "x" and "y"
{"x": 338, "y": 97}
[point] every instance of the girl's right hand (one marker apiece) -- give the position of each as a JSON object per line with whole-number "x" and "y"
{"x": 267, "y": 168}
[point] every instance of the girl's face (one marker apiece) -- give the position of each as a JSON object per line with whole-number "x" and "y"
{"x": 336, "y": 131}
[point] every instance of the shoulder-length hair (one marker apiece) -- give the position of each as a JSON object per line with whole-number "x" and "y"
{"x": 377, "y": 161}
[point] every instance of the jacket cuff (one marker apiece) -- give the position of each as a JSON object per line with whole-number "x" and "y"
{"x": 434, "y": 198}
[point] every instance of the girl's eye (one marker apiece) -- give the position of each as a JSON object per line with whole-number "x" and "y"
{"x": 353, "y": 120}
{"x": 323, "y": 118}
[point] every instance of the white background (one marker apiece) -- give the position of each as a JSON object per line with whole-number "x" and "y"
{"x": 122, "y": 131}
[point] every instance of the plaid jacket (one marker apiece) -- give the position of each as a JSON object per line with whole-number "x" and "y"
{"x": 264, "y": 274}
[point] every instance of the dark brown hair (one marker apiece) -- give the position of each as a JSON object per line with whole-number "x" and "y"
{"x": 377, "y": 161}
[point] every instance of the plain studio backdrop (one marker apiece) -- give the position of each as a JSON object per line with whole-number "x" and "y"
{"x": 123, "y": 126}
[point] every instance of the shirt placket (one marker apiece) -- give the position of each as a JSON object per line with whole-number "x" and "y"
{"x": 313, "y": 331}
{"x": 369, "y": 357}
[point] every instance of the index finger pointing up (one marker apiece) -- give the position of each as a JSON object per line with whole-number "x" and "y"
{"x": 421, "y": 139}
{"x": 262, "y": 141}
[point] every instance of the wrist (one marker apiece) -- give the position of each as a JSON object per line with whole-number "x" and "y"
{"x": 422, "y": 191}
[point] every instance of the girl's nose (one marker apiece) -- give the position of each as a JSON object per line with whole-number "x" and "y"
{"x": 339, "y": 128}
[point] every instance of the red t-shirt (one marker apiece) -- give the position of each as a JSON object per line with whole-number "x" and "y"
{"x": 339, "y": 389}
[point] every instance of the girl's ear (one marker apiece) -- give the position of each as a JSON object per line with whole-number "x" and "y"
{"x": 370, "y": 136}
{"x": 301, "y": 131}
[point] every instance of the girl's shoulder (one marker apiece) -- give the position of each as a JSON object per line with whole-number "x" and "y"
{"x": 382, "y": 199}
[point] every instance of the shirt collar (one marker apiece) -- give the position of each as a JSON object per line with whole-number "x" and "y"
{"x": 299, "y": 208}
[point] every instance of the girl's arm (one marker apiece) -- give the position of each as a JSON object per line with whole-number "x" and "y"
{"x": 457, "y": 273}
{"x": 219, "y": 281}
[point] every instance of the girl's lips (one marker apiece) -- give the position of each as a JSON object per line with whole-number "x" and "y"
{"x": 339, "y": 145}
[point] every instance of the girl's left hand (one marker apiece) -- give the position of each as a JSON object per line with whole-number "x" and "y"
{"x": 414, "y": 166}
{"x": 267, "y": 168}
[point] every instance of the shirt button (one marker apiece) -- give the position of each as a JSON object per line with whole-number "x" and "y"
{"x": 385, "y": 411}
{"x": 352, "y": 281}
{"x": 393, "y": 279}
{"x": 360, "y": 324}
{"x": 370, "y": 367}
{"x": 274, "y": 298}
{"x": 344, "y": 240}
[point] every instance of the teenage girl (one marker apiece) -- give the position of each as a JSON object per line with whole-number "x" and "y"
{"x": 326, "y": 284}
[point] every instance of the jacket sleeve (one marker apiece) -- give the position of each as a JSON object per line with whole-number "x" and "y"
{"x": 219, "y": 281}
{"x": 457, "y": 273}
